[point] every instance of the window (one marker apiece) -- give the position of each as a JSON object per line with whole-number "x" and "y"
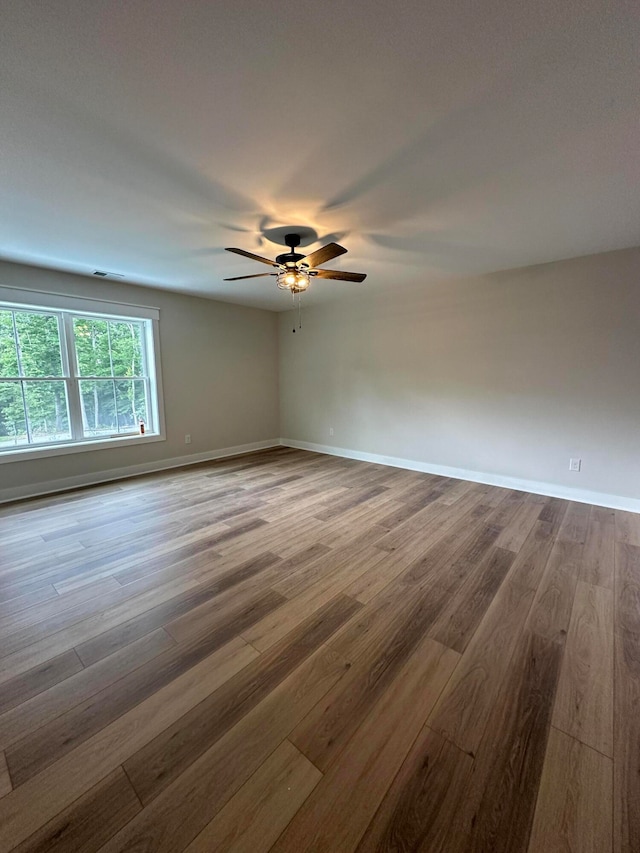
{"x": 70, "y": 378}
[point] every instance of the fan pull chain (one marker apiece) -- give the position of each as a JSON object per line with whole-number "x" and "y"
{"x": 299, "y": 309}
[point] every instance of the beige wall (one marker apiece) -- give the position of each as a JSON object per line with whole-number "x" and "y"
{"x": 219, "y": 367}
{"x": 509, "y": 374}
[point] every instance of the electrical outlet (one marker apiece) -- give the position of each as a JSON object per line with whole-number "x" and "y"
{"x": 575, "y": 464}
{"x": 187, "y": 439}
{"x": 330, "y": 430}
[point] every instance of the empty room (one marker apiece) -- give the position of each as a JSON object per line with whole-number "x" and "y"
{"x": 319, "y": 426}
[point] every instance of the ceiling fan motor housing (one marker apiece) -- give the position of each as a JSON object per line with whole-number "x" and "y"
{"x": 292, "y": 257}
{"x": 289, "y": 258}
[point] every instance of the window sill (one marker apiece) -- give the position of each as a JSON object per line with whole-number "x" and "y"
{"x": 26, "y": 454}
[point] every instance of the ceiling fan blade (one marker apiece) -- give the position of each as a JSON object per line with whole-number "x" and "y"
{"x": 339, "y": 275}
{"x": 326, "y": 253}
{"x": 253, "y": 257}
{"x": 255, "y": 275}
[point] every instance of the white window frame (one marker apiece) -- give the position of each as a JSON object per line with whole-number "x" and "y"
{"x": 65, "y": 308}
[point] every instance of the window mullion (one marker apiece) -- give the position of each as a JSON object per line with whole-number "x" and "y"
{"x": 70, "y": 366}
{"x": 113, "y": 382}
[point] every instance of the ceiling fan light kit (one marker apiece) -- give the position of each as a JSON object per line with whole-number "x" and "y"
{"x": 294, "y": 280}
{"x": 295, "y": 271}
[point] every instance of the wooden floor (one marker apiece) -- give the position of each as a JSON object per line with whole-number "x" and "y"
{"x": 296, "y": 652}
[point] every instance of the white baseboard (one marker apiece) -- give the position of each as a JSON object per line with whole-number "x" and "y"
{"x": 64, "y": 485}
{"x": 538, "y": 488}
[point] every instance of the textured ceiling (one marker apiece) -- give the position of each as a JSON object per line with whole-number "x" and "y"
{"x": 432, "y": 138}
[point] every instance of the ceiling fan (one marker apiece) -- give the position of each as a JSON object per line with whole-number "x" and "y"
{"x": 295, "y": 271}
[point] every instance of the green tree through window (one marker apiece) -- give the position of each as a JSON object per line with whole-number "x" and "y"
{"x": 70, "y": 377}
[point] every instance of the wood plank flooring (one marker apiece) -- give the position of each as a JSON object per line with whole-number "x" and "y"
{"x": 293, "y": 652}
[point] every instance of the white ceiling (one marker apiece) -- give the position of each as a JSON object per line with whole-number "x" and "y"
{"x": 433, "y": 138}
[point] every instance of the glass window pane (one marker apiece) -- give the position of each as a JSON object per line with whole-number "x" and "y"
{"x": 132, "y": 405}
{"x": 13, "y": 424}
{"x": 98, "y": 407}
{"x": 39, "y": 344}
{"x": 8, "y": 353}
{"x": 48, "y": 411}
{"x": 92, "y": 346}
{"x": 126, "y": 348}
{"x": 142, "y": 401}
